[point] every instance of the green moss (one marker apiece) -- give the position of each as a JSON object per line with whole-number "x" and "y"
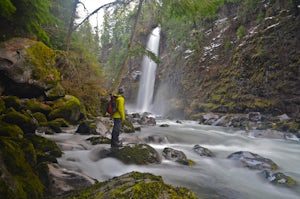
{"x": 2, "y": 105}
{"x": 43, "y": 58}
{"x": 26, "y": 183}
{"x": 10, "y": 130}
{"x": 140, "y": 154}
{"x": 128, "y": 126}
{"x": 57, "y": 91}
{"x": 56, "y": 124}
{"x": 241, "y": 32}
{"x": 68, "y": 108}
{"x": 40, "y": 117}
{"x": 12, "y": 101}
{"x": 46, "y": 150}
{"x": 133, "y": 185}
{"x": 24, "y": 122}
{"x": 5, "y": 190}
{"x": 99, "y": 140}
{"x": 36, "y": 106}
{"x": 205, "y": 107}
{"x": 292, "y": 127}
{"x": 29, "y": 152}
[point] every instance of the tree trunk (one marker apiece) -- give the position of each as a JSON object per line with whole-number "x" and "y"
{"x": 124, "y": 66}
{"x": 296, "y": 4}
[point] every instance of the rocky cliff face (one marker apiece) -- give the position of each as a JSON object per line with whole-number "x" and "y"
{"x": 250, "y": 61}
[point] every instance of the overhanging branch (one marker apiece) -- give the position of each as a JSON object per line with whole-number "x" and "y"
{"x": 97, "y": 10}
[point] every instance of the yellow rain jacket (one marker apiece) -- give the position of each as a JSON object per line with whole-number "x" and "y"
{"x": 120, "y": 103}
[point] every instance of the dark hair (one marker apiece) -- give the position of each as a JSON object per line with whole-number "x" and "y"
{"x": 121, "y": 91}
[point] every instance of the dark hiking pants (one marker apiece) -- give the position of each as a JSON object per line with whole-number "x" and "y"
{"x": 116, "y": 132}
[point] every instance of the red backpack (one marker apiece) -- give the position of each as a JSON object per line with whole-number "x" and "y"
{"x": 112, "y": 105}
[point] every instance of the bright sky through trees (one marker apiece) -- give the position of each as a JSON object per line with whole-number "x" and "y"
{"x": 92, "y": 5}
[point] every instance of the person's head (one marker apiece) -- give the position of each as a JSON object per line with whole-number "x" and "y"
{"x": 120, "y": 90}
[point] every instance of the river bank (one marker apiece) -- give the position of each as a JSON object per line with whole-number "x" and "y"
{"x": 209, "y": 177}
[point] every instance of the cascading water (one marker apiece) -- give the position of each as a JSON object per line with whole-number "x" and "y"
{"x": 146, "y": 89}
{"x": 210, "y": 177}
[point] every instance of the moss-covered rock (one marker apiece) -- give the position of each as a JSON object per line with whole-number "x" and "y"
{"x": 127, "y": 126}
{"x": 133, "y": 185}
{"x": 18, "y": 176}
{"x": 99, "y": 140}
{"x": 56, "y": 92}
{"x": 56, "y": 124}
{"x": 12, "y": 101}
{"x": 87, "y": 128}
{"x": 136, "y": 154}
{"x": 40, "y": 117}
{"x": 68, "y": 108}
{"x": 278, "y": 178}
{"x": 37, "y": 106}
{"x": 29, "y": 68}
{"x": 10, "y": 130}
{"x": 46, "y": 150}
{"x": 23, "y": 121}
{"x": 2, "y": 105}
{"x": 177, "y": 156}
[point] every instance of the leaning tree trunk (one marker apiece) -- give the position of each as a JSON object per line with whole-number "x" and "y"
{"x": 124, "y": 66}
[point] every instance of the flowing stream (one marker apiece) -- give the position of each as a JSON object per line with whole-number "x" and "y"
{"x": 209, "y": 178}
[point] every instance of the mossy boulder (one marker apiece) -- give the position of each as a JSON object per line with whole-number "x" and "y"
{"x": 18, "y": 177}
{"x": 127, "y": 126}
{"x": 140, "y": 154}
{"x": 56, "y": 124}
{"x": 278, "y": 178}
{"x": 2, "y": 105}
{"x": 68, "y": 108}
{"x": 10, "y": 130}
{"x": 40, "y": 117}
{"x": 55, "y": 92}
{"x": 23, "y": 121}
{"x": 46, "y": 150}
{"x": 29, "y": 67}
{"x": 99, "y": 140}
{"x": 37, "y": 106}
{"x": 177, "y": 156}
{"x": 87, "y": 128}
{"x": 133, "y": 185}
{"x": 12, "y": 101}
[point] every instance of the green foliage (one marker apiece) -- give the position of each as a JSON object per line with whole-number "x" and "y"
{"x": 6, "y": 8}
{"x": 241, "y": 32}
{"x": 191, "y": 8}
{"x": 260, "y": 17}
{"x": 24, "y": 18}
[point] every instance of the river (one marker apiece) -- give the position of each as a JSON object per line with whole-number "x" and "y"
{"x": 209, "y": 178}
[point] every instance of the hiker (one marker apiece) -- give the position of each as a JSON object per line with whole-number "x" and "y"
{"x": 118, "y": 117}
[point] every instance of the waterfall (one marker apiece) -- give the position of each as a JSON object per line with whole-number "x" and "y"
{"x": 146, "y": 88}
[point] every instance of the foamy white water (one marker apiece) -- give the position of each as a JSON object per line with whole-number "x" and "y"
{"x": 210, "y": 178}
{"x": 147, "y": 81}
